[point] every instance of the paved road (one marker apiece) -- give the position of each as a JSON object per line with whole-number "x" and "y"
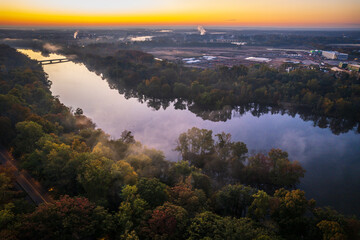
{"x": 28, "y": 184}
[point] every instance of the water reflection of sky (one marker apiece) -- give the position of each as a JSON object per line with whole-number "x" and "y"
{"x": 332, "y": 161}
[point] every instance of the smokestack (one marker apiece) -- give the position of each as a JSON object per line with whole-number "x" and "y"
{"x": 75, "y": 34}
{"x": 201, "y": 30}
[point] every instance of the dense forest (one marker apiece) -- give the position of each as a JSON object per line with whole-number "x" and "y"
{"x": 329, "y": 99}
{"x": 119, "y": 189}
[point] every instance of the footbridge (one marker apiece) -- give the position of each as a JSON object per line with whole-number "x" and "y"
{"x": 53, "y": 61}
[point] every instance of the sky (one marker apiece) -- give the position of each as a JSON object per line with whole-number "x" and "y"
{"x": 281, "y": 13}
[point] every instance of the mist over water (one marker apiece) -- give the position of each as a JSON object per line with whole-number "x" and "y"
{"x": 332, "y": 162}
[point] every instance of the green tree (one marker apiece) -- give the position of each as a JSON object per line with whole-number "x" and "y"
{"x": 284, "y": 173}
{"x": 95, "y": 178}
{"x": 152, "y": 191}
{"x": 179, "y": 171}
{"x": 245, "y": 229}
{"x": 233, "y": 200}
{"x": 181, "y": 90}
{"x": 7, "y": 217}
{"x": 132, "y": 211}
{"x": 273, "y": 171}
{"x": 141, "y": 163}
{"x": 102, "y": 178}
{"x": 331, "y": 230}
{"x": 206, "y": 225}
{"x": 56, "y": 168}
{"x": 6, "y": 131}
{"x": 28, "y": 133}
{"x": 260, "y": 207}
{"x": 103, "y": 150}
{"x": 200, "y": 181}
{"x": 194, "y": 145}
{"x": 288, "y": 211}
{"x": 7, "y": 179}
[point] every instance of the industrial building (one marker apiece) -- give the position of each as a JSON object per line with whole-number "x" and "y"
{"x": 342, "y": 56}
{"x": 342, "y": 65}
{"x": 351, "y": 67}
{"x": 335, "y": 55}
{"x": 354, "y": 67}
{"x": 329, "y": 54}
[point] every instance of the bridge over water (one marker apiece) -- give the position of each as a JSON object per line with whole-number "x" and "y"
{"x": 53, "y": 61}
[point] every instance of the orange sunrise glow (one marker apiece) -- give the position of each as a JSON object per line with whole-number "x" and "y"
{"x": 306, "y": 13}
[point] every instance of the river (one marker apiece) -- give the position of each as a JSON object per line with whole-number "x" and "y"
{"x": 332, "y": 162}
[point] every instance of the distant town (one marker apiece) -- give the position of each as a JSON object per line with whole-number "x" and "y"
{"x": 200, "y": 47}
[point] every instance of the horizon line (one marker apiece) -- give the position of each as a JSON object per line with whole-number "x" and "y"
{"x": 179, "y": 26}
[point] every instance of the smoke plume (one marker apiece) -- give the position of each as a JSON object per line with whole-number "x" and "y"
{"x": 201, "y": 30}
{"x": 76, "y": 33}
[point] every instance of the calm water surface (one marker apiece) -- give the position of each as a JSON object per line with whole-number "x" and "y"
{"x": 332, "y": 162}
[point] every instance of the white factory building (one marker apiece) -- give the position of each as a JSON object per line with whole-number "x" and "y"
{"x": 335, "y": 55}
